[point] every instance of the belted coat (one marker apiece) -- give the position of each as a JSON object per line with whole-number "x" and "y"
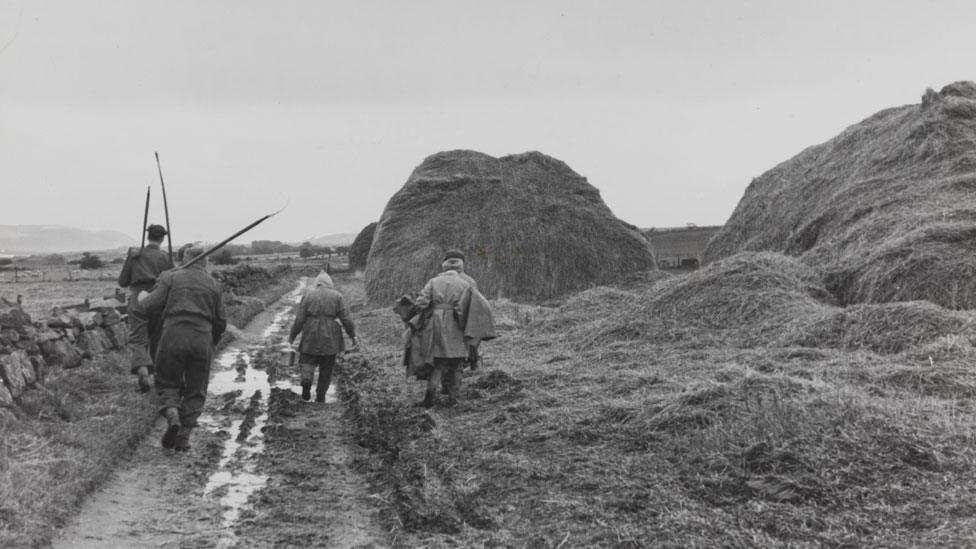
{"x": 452, "y": 313}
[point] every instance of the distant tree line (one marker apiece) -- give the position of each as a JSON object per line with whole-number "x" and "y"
{"x": 228, "y": 255}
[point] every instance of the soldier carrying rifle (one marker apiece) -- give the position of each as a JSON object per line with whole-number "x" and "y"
{"x": 139, "y": 273}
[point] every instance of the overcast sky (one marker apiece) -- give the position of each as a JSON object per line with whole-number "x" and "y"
{"x": 669, "y": 108}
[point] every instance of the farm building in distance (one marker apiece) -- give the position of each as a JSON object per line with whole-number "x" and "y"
{"x": 680, "y": 247}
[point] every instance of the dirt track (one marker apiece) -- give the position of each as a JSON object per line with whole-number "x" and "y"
{"x": 242, "y": 483}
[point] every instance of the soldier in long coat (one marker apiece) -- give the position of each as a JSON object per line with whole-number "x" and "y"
{"x": 318, "y": 321}
{"x": 139, "y": 273}
{"x": 193, "y": 319}
{"x": 452, "y": 314}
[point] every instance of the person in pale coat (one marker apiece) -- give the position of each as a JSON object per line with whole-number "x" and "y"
{"x": 473, "y": 359}
{"x": 458, "y": 314}
{"x": 316, "y": 321}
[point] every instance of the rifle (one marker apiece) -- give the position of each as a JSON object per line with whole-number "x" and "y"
{"x": 169, "y": 231}
{"x": 226, "y": 240}
{"x": 145, "y": 219}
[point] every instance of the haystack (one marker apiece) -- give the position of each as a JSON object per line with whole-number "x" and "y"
{"x": 359, "y": 250}
{"x": 754, "y": 299}
{"x": 745, "y": 300}
{"x": 887, "y": 209}
{"x": 531, "y": 227}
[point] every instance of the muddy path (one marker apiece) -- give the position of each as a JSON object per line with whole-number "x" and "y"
{"x": 265, "y": 468}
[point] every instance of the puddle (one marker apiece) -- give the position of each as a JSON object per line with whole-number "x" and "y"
{"x": 240, "y": 383}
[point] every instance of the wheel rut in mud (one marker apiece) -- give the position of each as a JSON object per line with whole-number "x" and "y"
{"x": 265, "y": 468}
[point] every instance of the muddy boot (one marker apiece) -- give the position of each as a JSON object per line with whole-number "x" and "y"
{"x": 453, "y": 386}
{"x": 320, "y": 397}
{"x": 172, "y": 427}
{"x": 306, "y": 391}
{"x": 183, "y": 439}
{"x": 145, "y": 383}
{"x": 429, "y": 398}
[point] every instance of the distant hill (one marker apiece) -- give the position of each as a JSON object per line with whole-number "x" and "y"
{"x": 28, "y": 239}
{"x": 340, "y": 239}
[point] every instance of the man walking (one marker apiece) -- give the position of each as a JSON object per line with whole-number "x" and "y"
{"x": 458, "y": 314}
{"x": 322, "y": 340}
{"x": 193, "y": 320}
{"x": 139, "y": 273}
{"x": 473, "y": 360}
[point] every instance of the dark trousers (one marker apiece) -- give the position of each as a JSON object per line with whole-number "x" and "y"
{"x": 143, "y": 335}
{"x": 183, "y": 371}
{"x": 447, "y": 374}
{"x": 325, "y": 365}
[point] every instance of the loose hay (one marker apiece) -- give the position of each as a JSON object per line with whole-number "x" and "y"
{"x": 886, "y": 208}
{"x": 750, "y": 300}
{"x": 645, "y": 441}
{"x": 746, "y": 298}
{"x": 883, "y": 328}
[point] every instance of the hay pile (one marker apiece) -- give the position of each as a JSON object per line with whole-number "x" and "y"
{"x": 359, "y": 250}
{"x": 887, "y": 208}
{"x": 752, "y": 299}
{"x": 531, "y": 227}
{"x": 743, "y": 300}
{"x": 625, "y": 446}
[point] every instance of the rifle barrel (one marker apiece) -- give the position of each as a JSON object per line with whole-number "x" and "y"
{"x": 145, "y": 219}
{"x": 225, "y": 241}
{"x": 169, "y": 230}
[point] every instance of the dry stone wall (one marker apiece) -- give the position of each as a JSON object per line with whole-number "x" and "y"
{"x": 65, "y": 339}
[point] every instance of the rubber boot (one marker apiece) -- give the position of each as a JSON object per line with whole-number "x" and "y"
{"x": 306, "y": 391}
{"x": 145, "y": 384}
{"x": 322, "y": 387}
{"x": 172, "y": 427}
{"x": 429, "y": 397}
{"x": 453, "y": 382}
{"x": 183, "y": 439}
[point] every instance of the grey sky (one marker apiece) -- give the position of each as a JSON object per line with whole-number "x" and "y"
{"x": 669, "y": 108}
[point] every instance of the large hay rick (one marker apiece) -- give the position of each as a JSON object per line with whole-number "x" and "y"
{"x": 886, "y": 210}
{"x": 532, "y": 229}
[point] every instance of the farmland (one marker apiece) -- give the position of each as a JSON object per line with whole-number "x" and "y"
{"x": 684, "y": 439}
{"x": 672, "y": 441}
{"x": 674, "y": 244}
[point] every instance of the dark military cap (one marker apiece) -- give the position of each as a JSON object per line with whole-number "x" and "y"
{"x": 157, "y": 231}
{"x": 454, "y": 254}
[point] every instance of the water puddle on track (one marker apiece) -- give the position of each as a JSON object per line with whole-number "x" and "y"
{"x": 239, "y": 383}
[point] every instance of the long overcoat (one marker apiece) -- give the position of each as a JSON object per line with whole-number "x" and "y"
{"x": 451, "y": 313}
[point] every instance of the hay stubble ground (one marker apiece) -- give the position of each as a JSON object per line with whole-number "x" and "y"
{"x": 682, "y": 443}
